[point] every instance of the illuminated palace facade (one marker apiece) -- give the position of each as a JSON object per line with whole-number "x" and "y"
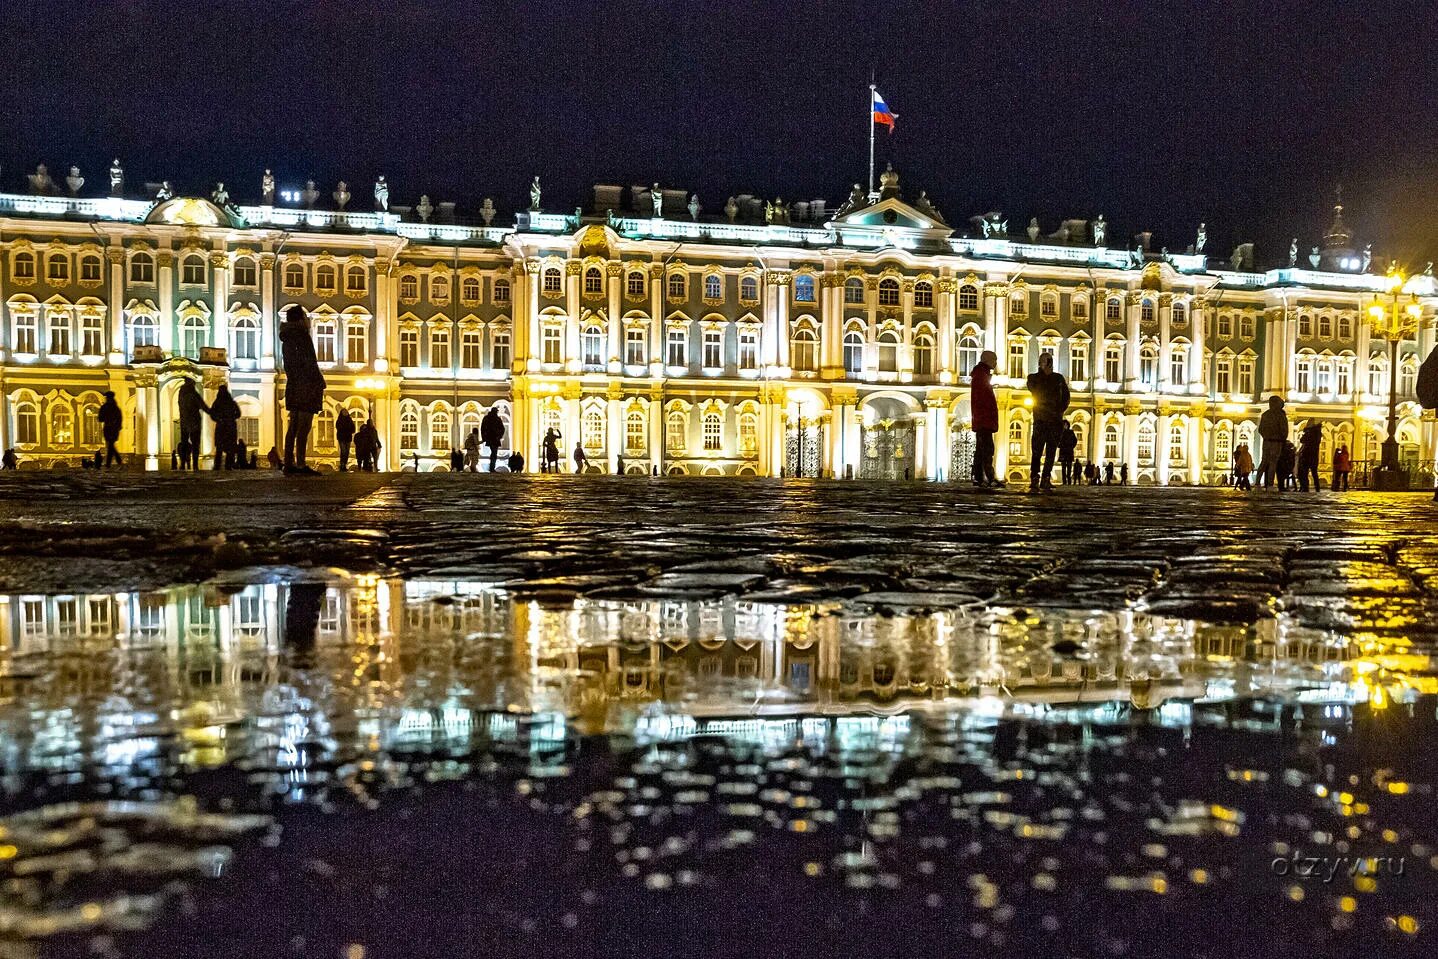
{"x": 798, "y": 342}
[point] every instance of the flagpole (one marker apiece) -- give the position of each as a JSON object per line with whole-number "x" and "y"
{"x": 871, "y": 138}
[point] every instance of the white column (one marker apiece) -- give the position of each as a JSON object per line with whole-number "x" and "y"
{"x": 572, "y": 354}
{"x": 166, "y": 281}
{"x": 616, "y": 326}
{"x": 1130, "y": 359}
{"x": 1165, "y": 337}
{"x": 268, "y": 338}
{"x": 116, "y": 256}
{"x": 220, "y": 328}
{"x": 1197, "y": 320}
{"x": 384, "y": 316}
{"x": 657, "y": 329}
{"x": 947, "y": 289}
{"x": 1197, "y": 447}
{"x": 1162, "y": 451}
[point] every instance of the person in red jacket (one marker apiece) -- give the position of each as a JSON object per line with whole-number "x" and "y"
{"x": 986, "y": 418}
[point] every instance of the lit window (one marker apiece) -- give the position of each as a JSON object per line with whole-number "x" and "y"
{"x": 59, "y": 334}
{"x": 676, "y": 347}
{"x": 713, "y": 427}
{"x": 853, "y": 290}
{"x": 356, "y": 343}
{"x": 804, "y": 288}
{"x": 1078, "y": 361}
{"x": 1145, "y": 442}
{"x": 748, "y": 349}
{"x": 1175, "y": 443}
{"x": 889, "y": 292}
{"x": 853, "y": 351}
{"x": 888, "y": 351}
{"x": 970, "y": 349}
{"x": 325, "y": 336}
{"x": 923, "y": 294}
{"x": 634, "y": 432}
{"x": 142, "y": 268}
{"x": 439, "y": 347}
{"x": 552, "y": 343}
{"x": 676, "y": 428}
{"x": 969, "y": 297}
{"x": 469, "y": 351}
{"x": 713, "y": 349}
{"x": 62, "y": 426}
{"x": 245, "y": 273}
{"x": 634, "y": 346}
{"x": 499, "y": 348}
{"x": 713, "y": 287}
{"x": 592, "y": 342}
{"x": 552, "y": 281}
{"x": 748, "y": 433}
{"x": 439, "y": 425}
{"x": 1018, "y": 359}
{"x": 803, "y": 350}
{"x": 408, "y": 346}
{"x": 923, "y": 355}
{"x": 92, "y": 334}
{"x": 245, "y": 331}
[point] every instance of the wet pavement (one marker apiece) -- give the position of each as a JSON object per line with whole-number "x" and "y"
{"x": 372, "y": 716}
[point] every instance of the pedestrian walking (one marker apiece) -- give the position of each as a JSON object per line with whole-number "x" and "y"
{"x": 581, "y": 462}
{"x": 985, "y": 412}
{"x": 1067, "y": 442}
{"x": 491, "y": 434}
{"x": 1123, "y": 475}
{"x": 550, "y": 451}
{"x": 191, "y": 407}
{"x": 1342, "y": 467}
{"x": 1242, "y": 467}
{"x": 9, "y": 461}
{"x": 1108, "y": 474}
{"x": 456, "y": 460}
{"x": 1050, "y": 392}
{"x": 226, "y": 413}
{"x": 471, "y": 450}
{"x": 1309, "y": 443}
{"x": 344, "y": 436}
{"x": 1287, "y": 459}
{"x": 304, "y": 389}
{"x": 111, "y": 420}
{"x": 1273, "y": 430}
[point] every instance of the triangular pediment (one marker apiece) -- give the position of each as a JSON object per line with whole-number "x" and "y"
{"x": 891, "y": 214}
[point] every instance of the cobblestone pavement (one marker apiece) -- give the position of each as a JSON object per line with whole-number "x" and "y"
{"x": 446, "y": 715}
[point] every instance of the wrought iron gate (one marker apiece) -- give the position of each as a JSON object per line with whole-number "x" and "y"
{"x": 961, "y": 455}
{"x": 888, "y": 451}
{"x": 802, "y": 443}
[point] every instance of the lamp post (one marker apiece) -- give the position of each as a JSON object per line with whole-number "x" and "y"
{"x": 1393, "y": 323}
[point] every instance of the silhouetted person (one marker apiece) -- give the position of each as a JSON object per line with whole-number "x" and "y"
{"x": 304, "y": 388}
{"x": 1309, "y": 442}
{"x": 1242, "y": 467}
{"x": 99, "y": 461}
{"x": 226, "y": 414}
{"x": 456, "y": 460}
{"x": 551, "y": 451}
{"x": 192, "y": 406}
{"x": 1050, "y": 392}
{"x": 581, "y": 462}
{"x": 344, "y": 436}
{"x": 302, "y": 616}
{"x": 1068, "y": 440}
{"x": 367, "y": 447}
{"x": 1273, "y": 429}
{"x": 1342, "y": 466}
{"x": 516, "y": 462}
{"x": 273, "y": 458}
{"x": 242, "y": 455}
{"x": 491, "y": 434}
{"x": 471, "y": 450}
{"x": 1123, "y": 475}
{"x": 255, "y": 459}
{"x": 182, "y": 451}
{"x": 111, "y": 421}
{"x": 985, "y": 412}
{"x": 8, "y": 460}
{"x": 1287, "y": 459}
{"x": 1108, "y": 474}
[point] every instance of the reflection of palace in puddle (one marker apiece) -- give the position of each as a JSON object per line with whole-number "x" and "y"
{"x": 392, "y": 661}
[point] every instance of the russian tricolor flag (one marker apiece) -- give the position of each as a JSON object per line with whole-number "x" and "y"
{"x": 882, "y": 113}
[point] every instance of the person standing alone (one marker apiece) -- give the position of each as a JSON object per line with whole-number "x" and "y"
{"x": 226, "y": 414}
{"x": 1273, "y": 429}
{"x": 191, "y": 405}
{"x": 1067, "y": 442}
{"x": 344, "y": 436}
{"x": 111, "y": 419}
{"x": 304, "y": 388}
{"x": 491, "y": 433}
{"x": 1050, "y": 392}
{"x": 985, "y": 410}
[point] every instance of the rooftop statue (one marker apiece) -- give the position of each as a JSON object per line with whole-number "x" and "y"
{"x": 534, "y": 195}
{"x": 74, "y": 181}
{"x": 1100, "y": 230}
{"x": 1293, "y": 253}
{"x": 166, "y": 191}
{"x": 341, "y": 195}
{"x": 656, "y": 198}
{"x": 221, "y": 196}
{"x": 310, "y": 195}
{"x": 694, "y": 207}
{"x": 1034, "y": 230}
{"x": 1314, "y": 257}
{"x": 381, "y": 194}
{"x": 731, "y": 209}
{"x": 425, "y": 208}
{"x": 267, "y": 189}
{"x": 486, "y": 211}
{"x": 1202, "y": 240}
{"x": 1367, "y": 257}
{"x": 857, "y": 200}
{"x": 117, "y": 178}
{"x": 40, "y": 181}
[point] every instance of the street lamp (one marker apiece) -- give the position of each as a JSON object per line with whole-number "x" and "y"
{"x": 1393, "y": 323}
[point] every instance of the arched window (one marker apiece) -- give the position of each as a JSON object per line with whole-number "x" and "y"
{"x": 245, "y": 273}
{"x": 1018, "y": 304}
{"x": 1110, "y": 442}
{"x": 245, "y": 334}
{"x": 1078, "y": 306}
{"x": 1113, "y": 361}
{"x": 749, "y": 348}
{"x": 57, "y": 268}
{"x": 439, "y": 288}
{"x": 142, "y": 268}
{"x": 90, "y": 425}
{"x": 1345, "y": 327}
{"x": 804, "y": 288}
{"x": 1323, "y": 375}
{"x": 713, "y": 287}
{"x": 1305, "y": 326}
{"x": 634, "y": 432}
{"x": 713, "y": 427}
{"x": 970, "y": 349}
{"x": 853, "y": 290}
{"x": 853, "y": 351}
{"x": 1175, "y": 443}
{"x": 678, "y": 285}
{"x": 1180, "y": 314}
{"x": 1343, "y": 375}
{"x": 888, "y": 351}
{"x": 1223, "y": 446}
{"x": 969, "y": 297}
{"x": 144, "y": 331}
{"x": 439, "y": 438}
{"x": 25, "y": 266}
{"x": 748, "y": 289}
{"x": 1408, "y": 376}
{"x": 552, "y": 281}
{"x": 325, "y": 278}
{"x": 1113, "y": 310}
{"x": 1018, "y": 357}
{"x": 194, "y": 333}
{"x": 593, "y": 430}
{"x": 501, "y": 291}
{"x": 90, "y": 269}
{"x": 1304, "y": 369}
{"x": 295, "y": 277}
{"x": 1146, "y": 312}
{"x": 923, "y": 294}
{"x": 634, "y": 345}
{"x": 923, "y": 354}
{"x": 1177, "y": 364}
{"x": 1225, "y": 326}
{"x": 1145, "y": 442}
{"x": 469, "y": 289}
{"x": 356, "y": 282}
{"x": 27, "y": 424}
{"x": 356, "y": 342}
{"x": 803, "y": 350}
{"x": 889, "y": 292}
{"x": 634, "y": 283}
{"x": 192, "y": 270}
{"x": 1048, "y": 305}
{"x": 676, "y": 429}
{"x": 326, "y": 336}
{"x": 748, "y": 433}
{"x": 409, "y": 428}
{"x": 594, "y": 281}
{"x": 409, "y": 287}
{"x": 1016, "y": 438}
{"x": 1148, "y": 364}
{"x": 1325, "y": 326}
{"x": 592, "y": 343}
{"x": 62, "y": 426}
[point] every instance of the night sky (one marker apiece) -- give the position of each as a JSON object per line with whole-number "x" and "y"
{"x": 1158, "y": 115}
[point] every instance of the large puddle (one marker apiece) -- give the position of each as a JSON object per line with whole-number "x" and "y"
{"x": 990, "y": 774}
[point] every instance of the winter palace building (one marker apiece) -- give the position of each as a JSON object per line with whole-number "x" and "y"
{"x": 767, "y": 340}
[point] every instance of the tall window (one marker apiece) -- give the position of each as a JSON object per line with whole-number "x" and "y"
{"x": 439, "y": 438}
{"x": 1245, "y": 327}
{"x": 1049, "y": 306}
{"x": 1180, "y": 314}
{"x": 970, "y": 349}
{"x": 713, "y": 349}
{"x": 923, "y": 354}
{"x": 748, "y": 433}
{"x": 1146, "y": 313}
{"x": 408, "y": 346}
{"x": 1113, "y": 361}
{"x": 499, "y": 349}
{"x": 593, "y": 281}
{"x": 193, "y": 335}
{"x": 552, "y": 342}
{"x": 853, "y": 351}
{"x": 1224, "y": 374}
{"x": 90, "y": 269}
{"x": 325, "y": 345}
{"x": 192, "y": 270}
{"x": 142, "y": 268}
{"x": 92, "y": 334}
{"x": 245, "y": 332}
{"x": 501, "y": 291}
{"x": 355, "y": 280}
{"x": 1110, "y": 442}
{"x": 1113, "y": 310}
{"x": 59, "y": 334}
{"x": 356, "y": 343}
{"x": 969, "y": 297}
{"x": 749, "y": 290}
{"x": 592, "y": 430}
{"x": 634, "y": 346}
{"x": 1245, "y": 375}
{"x": 1175, "y": 443}
{"x": 1016, "y": 438}
{"x": 1018, "y": 359}
{"x": 592, "y": 342}
{"x": 1345, "y": 327}
{"x": 62, "y": 425}
{"x": 713, "y": 287}
{"x": 1343, "y": 375}
{"x": 802, "y": 350}
{"x": 1225, "y": 326}
{"x": 439, "y": 288}
{"x": 470, "y": 356}
{"x": 90, "y": 425}
{"x": 1407, "y": 377}
{"x": 923, "y": 294}
{"x": 676, "y": 428}
{"x": 889, "y": 292}
{"x": 553, "y": 281}
{"x": 634, "y": 432}
{"x": 1079, "y": 307}
{"x": 1145, "y": 442}
{"x": 408, "y": 287}
{"x": 1305, "y": 326}
{"x": 713, "y": 426}
{"x": 1304, "y": 371}
{"x": 25, "y": 267}
{"x": 1078, "y": 361}
{"x": 245, "y": 273}
{"x": 1223, "y": 446}
{"x": 749, "y": 349}
{"x": 295, "y": 278}
{"x": 325, "y": 279}
{"x": 1148, "y": 364}
{"x": 1325, "y": 327}
{"x": 27, "y": 424}
{"x": 804, "y": 288}
{"x": 676, "y": 347}
{"x": 634, "y": 283}
{"x": 57, "y": 268}
{"x": 144, "y": 331}
{"x": 1178, "y": 365}
{"x": 678, "y": 285}
{"x": 853, "y": 290}
{"x": 888, "y": 351}
{"x": 439, "y": 347}
{"x": 469, "y": 290}
{"x": 1018, "y": 304}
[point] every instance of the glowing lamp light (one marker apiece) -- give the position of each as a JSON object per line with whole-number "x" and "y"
{"x": 1028, "y": 401}
{"x": 1232, "y": 407}
{"x": 370, "y": 384}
